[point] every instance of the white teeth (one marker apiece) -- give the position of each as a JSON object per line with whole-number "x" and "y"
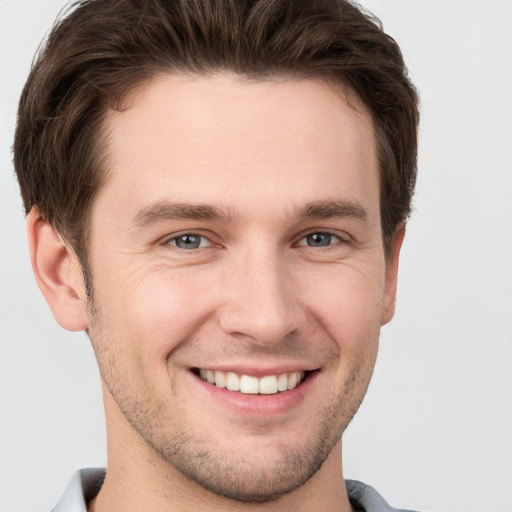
{"x": 249, "y": 385}
{"x": 282, "y": 382}
{"x": 268, "y": 385}
{"x": 220, "y": 379}
{"x": 292, "y": 380}
{"x": 232, "y": 381}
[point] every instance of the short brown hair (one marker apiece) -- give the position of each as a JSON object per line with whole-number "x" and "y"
{"x": 102, "y": 49}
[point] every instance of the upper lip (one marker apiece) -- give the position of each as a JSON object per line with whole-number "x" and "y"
{"x": 258, "y": 370}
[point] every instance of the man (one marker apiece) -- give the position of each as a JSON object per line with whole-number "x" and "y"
{"x": 217, "y": 193}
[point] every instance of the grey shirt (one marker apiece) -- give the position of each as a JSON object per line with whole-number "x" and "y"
{"x": 86, "y": 483}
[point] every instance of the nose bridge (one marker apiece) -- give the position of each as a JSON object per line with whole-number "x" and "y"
{"x": 261, "y": 303}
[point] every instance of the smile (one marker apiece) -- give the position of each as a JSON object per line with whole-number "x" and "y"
{"x": 247, "y": 384}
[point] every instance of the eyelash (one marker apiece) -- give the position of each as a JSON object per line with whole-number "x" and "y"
{"x": 338, "y": 238}
{"x": 181, "y": 236}
{"x": 173, "y": 241}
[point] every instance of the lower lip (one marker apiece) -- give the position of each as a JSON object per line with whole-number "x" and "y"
{"x": 265, "y": 405}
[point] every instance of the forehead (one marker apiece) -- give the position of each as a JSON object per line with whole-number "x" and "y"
{"x": 226, "y": 138}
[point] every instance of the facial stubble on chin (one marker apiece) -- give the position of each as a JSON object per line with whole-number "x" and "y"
{"x": 243, "y": 477}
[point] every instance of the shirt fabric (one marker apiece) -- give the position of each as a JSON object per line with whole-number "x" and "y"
{"x": 86, "y": 483}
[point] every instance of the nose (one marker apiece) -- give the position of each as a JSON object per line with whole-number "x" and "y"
{"x": 261, "y": 302}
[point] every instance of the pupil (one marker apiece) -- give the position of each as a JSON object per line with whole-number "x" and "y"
{"x": 188, "y": 242}
{"x": 319, "y": 240}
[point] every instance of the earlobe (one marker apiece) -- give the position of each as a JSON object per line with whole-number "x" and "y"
{"x": 58, "y": 273}
{"x": 388, "y": 309}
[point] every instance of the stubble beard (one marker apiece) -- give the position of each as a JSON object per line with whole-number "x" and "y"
{"x": 243, "y": 477}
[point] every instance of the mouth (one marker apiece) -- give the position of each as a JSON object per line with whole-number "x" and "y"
{"x": 251, "y": 385}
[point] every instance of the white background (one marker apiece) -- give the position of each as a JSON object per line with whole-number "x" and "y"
{"x": 435, "y": 431}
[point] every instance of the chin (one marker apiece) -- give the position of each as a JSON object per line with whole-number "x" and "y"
{"x": 254, "y": 480}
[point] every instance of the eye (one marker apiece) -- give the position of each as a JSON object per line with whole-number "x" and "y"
{"x": 319, "y": 240}
{"x": 188, "y": 241}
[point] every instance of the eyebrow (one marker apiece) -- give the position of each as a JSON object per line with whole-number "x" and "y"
{"x": 333, "y": 209}
{"x": 162, "y": 211}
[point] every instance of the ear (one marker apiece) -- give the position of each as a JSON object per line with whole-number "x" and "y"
{"x": 58, "y": 273}
{"x": 388, "y": 309}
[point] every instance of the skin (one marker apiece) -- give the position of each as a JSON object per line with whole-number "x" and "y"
{"x": 276, "y": 162}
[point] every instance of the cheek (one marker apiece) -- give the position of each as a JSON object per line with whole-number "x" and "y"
{"x": 350, "y": 305}
{"x": 154, "y": 310}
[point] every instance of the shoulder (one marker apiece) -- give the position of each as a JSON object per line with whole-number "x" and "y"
{"x": 83, "y": 486}
{"x": 366, "y": 499}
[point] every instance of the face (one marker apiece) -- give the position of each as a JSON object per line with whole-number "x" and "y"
{"x": 239, "y": 277}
